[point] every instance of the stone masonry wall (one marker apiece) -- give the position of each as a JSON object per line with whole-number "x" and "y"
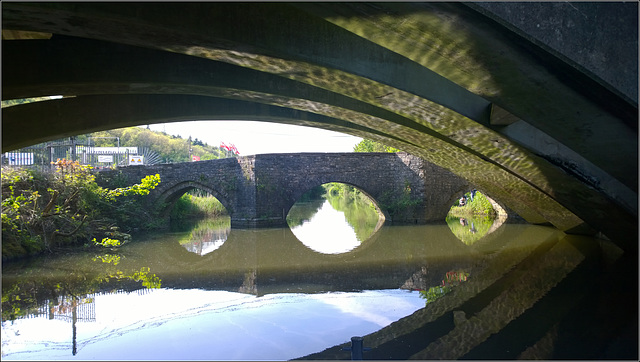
{"x": 225, "y": 179}
{"x": 258, "y": 191}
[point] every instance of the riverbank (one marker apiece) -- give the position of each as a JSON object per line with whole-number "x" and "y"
{"x": 43, "y": 211}
{"x": 478, "y": 205}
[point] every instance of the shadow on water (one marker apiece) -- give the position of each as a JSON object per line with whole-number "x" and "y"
{"x": 533, "y": 296}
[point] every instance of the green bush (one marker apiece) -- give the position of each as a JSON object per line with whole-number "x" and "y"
{"x": 451, "y": 280}
{"x": 399, "y": 206}
{"x": 41, "y": 210}
{"x": 479, "y": 206}
{"x": 191, "y": 206}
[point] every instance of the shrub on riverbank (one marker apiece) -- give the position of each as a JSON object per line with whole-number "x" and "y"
{"x": 45, "y": 210}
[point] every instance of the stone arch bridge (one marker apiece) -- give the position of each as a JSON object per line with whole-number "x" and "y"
{"x": 259, "y": 191}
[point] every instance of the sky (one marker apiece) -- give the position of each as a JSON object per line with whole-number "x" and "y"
{"x": 251, "y": 137}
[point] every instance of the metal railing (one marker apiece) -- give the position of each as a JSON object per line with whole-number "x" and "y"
{"x": 41, "y": 156}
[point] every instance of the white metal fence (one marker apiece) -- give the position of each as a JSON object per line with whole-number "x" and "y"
{"x": 42, "y": 155}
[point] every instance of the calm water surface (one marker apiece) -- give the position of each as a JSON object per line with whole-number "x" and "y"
{"x": 214, "y": 293}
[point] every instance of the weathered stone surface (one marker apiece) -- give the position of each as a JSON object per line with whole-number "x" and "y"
{"x": 586, "y": 34}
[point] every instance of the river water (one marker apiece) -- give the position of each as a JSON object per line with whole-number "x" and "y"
{"x": 208, "y": 292}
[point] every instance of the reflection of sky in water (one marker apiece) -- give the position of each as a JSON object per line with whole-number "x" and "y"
{"x": 327, "y": 232}
{"x": 204, "y": 247}
{"x": 206, "y": 238}
{"x": 196, "y": 324}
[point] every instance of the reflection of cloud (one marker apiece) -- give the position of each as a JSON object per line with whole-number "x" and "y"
{"x": 370, "y": 307}
{"x": 34, "y": 334}
{"x": 357, "y": 309}
{"x": 197, "y": 324}
{"x": 203, "y": 247}
{"x": 327, "y": 232}
{"x": 120, "y": 314}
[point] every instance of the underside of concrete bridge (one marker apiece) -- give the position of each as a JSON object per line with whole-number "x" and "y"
{"x": 534, "y": 103}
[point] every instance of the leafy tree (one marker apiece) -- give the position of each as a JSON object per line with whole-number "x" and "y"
{"x": 367, "y": 145}
{"x": 25, "y": 295}
{"x": 358, "y": 209}
{"x": 170, "y": 148}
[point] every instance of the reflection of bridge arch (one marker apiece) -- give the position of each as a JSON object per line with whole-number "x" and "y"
{"x": 292, "y": 246}
{"x": 169, "y": 197}
{"x": 271, "y": 260}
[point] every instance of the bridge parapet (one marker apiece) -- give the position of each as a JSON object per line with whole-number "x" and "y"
{"x": 259, "y": 191}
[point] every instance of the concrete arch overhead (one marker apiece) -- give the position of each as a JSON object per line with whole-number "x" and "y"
{"x": 553, "y": 141}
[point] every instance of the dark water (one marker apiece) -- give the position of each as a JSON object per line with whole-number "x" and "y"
{"x": 216, "y": 293}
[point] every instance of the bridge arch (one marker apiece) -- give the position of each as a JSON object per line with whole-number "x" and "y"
{"x": 167, "y": 199}
{"x": 381, "y": 211}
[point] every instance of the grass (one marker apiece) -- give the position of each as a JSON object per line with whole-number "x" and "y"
{"x": 197, "y": 206}
{"x": 479, "y": 206}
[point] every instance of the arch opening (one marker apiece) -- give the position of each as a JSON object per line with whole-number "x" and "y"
{"x": 201, "y": 216}
{"x": 334, "y": 218}
{"x": 197, "y": 204}
{"x": 474, "y": 215}
{"x": 169, "y": 197}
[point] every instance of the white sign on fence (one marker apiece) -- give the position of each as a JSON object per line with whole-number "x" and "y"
{"x": 105, "y": 158}
{"x": 136, "y": 160}
{"x": 19, "y": 158}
